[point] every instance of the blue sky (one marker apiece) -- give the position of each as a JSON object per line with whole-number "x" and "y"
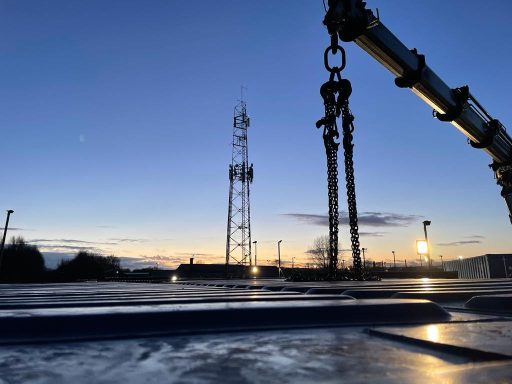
{"x": 116, "y": 125}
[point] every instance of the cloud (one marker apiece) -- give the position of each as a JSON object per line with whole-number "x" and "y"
{"x": 68, "y": 241}
{"x": 72, "y": 248}
{"x": 372, "y": 234}
{"x": 370, "y": 219}
{"x": 457, "y": 243}
{"x": 474, "y": 237}
{"x": 128, "y": 240}
{"x": 13, "y": 229}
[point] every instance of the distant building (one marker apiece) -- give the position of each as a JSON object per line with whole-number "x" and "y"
{"x": 490, "y": 266}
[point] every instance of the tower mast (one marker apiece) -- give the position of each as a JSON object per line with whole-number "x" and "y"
{"x": 238, "y": 241}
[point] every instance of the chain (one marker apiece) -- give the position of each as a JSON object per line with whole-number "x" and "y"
{"x": 335, "y": 93}
{"x": 331, "y": 150}
{"x": 348, "y": 147}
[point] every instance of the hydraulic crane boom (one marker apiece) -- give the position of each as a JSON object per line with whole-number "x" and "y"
{"x": 352, "y": 21}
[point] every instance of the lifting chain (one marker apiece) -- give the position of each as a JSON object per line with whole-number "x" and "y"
{"x": 335, "y": 93}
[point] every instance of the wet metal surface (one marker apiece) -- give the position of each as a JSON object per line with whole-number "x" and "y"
{"x": 325, "y": 355}
{"x": 493, "y": 337}
{"x": 251, "y": 331}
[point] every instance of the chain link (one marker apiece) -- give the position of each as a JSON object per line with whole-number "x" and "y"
{"x": 335, "y": 93}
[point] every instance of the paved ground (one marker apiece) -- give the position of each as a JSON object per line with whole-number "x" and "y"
{"x": 252, "y": 331}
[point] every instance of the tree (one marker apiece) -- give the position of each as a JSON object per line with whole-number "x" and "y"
{"x": 22, "y": 263}
{"x": 319, "y": 252}
{"x": 88, "y": 265}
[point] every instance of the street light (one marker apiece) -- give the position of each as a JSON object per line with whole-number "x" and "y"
{"x": 421, "y": 249}
{"x": 442, "y": 264}
{"x": 279, "y": 256}
{"x": 5, "y": 234}
{"x": 425, "y": 224}
{"x": 255, "y": 253}
{"x": 364, "y": 259}
{"x": 394, "y": 259}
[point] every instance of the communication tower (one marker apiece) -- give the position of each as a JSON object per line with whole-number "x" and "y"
{"x": 238, "y": 242}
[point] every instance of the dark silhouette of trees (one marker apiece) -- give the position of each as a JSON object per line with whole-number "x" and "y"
{"x": 88, "y": 265}
{"x": 22, "y": 263}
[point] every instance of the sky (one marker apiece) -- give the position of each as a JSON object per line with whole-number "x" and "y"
{"x": 116, "y": 124}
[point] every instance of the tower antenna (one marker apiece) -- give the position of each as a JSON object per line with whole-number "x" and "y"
{"x": 238, "y": 241}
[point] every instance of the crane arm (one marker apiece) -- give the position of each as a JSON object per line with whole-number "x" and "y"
{"x": 352, "y": 21}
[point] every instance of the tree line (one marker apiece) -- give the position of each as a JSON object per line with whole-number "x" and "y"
{"x": 24, "y": 263}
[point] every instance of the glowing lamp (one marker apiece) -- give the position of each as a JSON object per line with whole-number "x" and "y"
{"x": 422, "y": 247}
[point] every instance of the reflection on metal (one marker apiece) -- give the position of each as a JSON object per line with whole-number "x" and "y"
{"x": 238, "y": 242}
{"x": 432, "y": 333}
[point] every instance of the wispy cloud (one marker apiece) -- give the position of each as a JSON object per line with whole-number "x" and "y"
{"x": 68, "y": 248}
{"x": 13, "y": 229}
{"x": 70, "y": 245}
{"x": 458, "y": 243}
{"x": 474, "y": 237}
{"x": 128, "y": 240}
{"x": 370, "y": 219}
{"x": 68, "y": 241}
{"x": 372, "y": 234}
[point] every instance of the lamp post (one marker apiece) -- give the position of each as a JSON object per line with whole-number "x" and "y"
{"x": 425, "y": 224}
{"x": 442, "y": 264}
{"x": 255, "y": 252}
{"x": 364, "y": 259}
{"x": 5, "y": 234}
{"x": 279, "y": 256}
{"x": 394, "y": 259}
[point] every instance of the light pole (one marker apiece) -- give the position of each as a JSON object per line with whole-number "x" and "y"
{"x": 394, "y": 259}
{"x": 442, "y": 264}
{"x": 364, "y": 259}
{"x": 5, "y": 234}
{"x": 425, "y": 224}
{"x": 255, "y": 252}
{"x": 279, "y": 256}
